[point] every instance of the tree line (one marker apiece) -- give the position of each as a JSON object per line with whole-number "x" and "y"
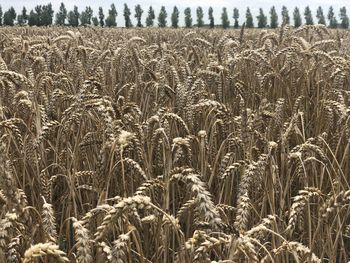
{"x": 43, "y": 15}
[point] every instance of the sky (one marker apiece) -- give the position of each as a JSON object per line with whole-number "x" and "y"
{"x": 182, "y": 4}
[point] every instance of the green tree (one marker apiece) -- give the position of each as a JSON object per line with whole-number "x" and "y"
{"x": 61, "y": 16}
{"x": 211, "y": 17}
{"x": 249, "y": 19}
{"x": 333, "y": 23}
{"x": 320, "y": 16}
{"x": 24, "y": 15}
{"x": 236, "y": 17}
{"x": 47, "y": 15}
{"x": 200, "y": 15}
{"x": 262, "y": 19}
{"x": 297, "y": 17}
{"x": 175, "y": 18}
{"x": 127, "y": 14}
{"x": 162, "y": 17}
{"x": 73, "y": 17}
{"x": 39, "y": 12}
{"x": 86, "y": 16}
{"x": 138, "y": 15}
{"x": 224, "y": 19}
{"x": 33, "y": 19}
{"x": 188, "y": 17}
{"x": 1, "y": 15}
{"x": 308, "y": 16}
{"x": 9, "y": 17}
{"x": 150, "y": 18}
{"x": 20, "y": 20}
{"x": 95, "y": 21}
{"x": 101, "y": 17}
{"x": 344, "y": 19}
{"x": 111, "y": 19}
{"x": 285, "y": 16}
{"x": 273, "y": 18}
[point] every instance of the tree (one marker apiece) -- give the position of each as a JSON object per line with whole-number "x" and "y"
{"x": 38, "y": 12}
{"x": 224, "y": 19}
{"x": 297, "y": 17}
{"x": 127, "y": 14}
{"x": 20, "y": 20}
{"x": 211, "y": 17}
{"x": 112, "y": 16}
{"x": 73, "y": 17}
{"x": 249, "y": 19}
{"x": 36, "y": 16}
{"x": 333, "y": 23}
{"x": 236, "y": 17}
{"x": 162, "y": 17}
{"x": 101, "y": 17}
{"x": 273, "y": 17}
{"x": 95, "y": 21}
{"x": 151, "y": 16}
{"x": 47, "y": 15}
{"x": 344, "y": 19}
{"x": 41, "y": 16}
{"x": 175, "y": 18}
{"x": 61, "y": 16}
{"x": 262, "y": 19}
{"x": 24, "y": 15}
{"x": 33, "y": 19}
{"x": 200, "y": 15}
{"x": 138, "y": 15}
{"x": 86, "y": 16}
{"x": 188, "y": 17}
{"x": 285, "y": 16}
{"x": 320, "y": 16}
{"x": 308, "y": 16}
{"x": 0, "y": 15}
{"x": 9, "y": 17}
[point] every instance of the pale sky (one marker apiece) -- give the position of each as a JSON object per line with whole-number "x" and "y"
{"x": 182, "y": 4}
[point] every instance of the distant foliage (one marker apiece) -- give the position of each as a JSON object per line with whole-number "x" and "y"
{"x": 211, "y": 17}
{"x": 333, "y": 22}
{"x": 236, "y": 17}
{"x": 320, "y": 16}
{"x": 249, "y": 19}
{"x": 188, "y": 17}
{"x": 127, "y": 14}
{"x": 150, "y": 18}
{"x": 344, "y": 19}
{"x": 111, "y": 20}
{"x": 224, "y": 19}
{"x": 138, "y": 15}
{"x": 61, "y": 15}
{"x": 273, "y": 18}
{"x": 200, "y": 15}
{"x": 262, "y": 19}
{"x": 297, "y": 17}
{"x": 285, "y": 16}
{"x": 308, "y": 16}
{"x": 43, "y": 15}
{"x": 73, "y": 17}
{"x": 162, "y": 17}
{"x": 175, "y": 18}
{"x": 9, "y": 17}
{"x": 101, "y": 17}
{"x": 86, "y": 16}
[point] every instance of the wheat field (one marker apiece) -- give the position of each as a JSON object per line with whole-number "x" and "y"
{"x": 163, "y": 145}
